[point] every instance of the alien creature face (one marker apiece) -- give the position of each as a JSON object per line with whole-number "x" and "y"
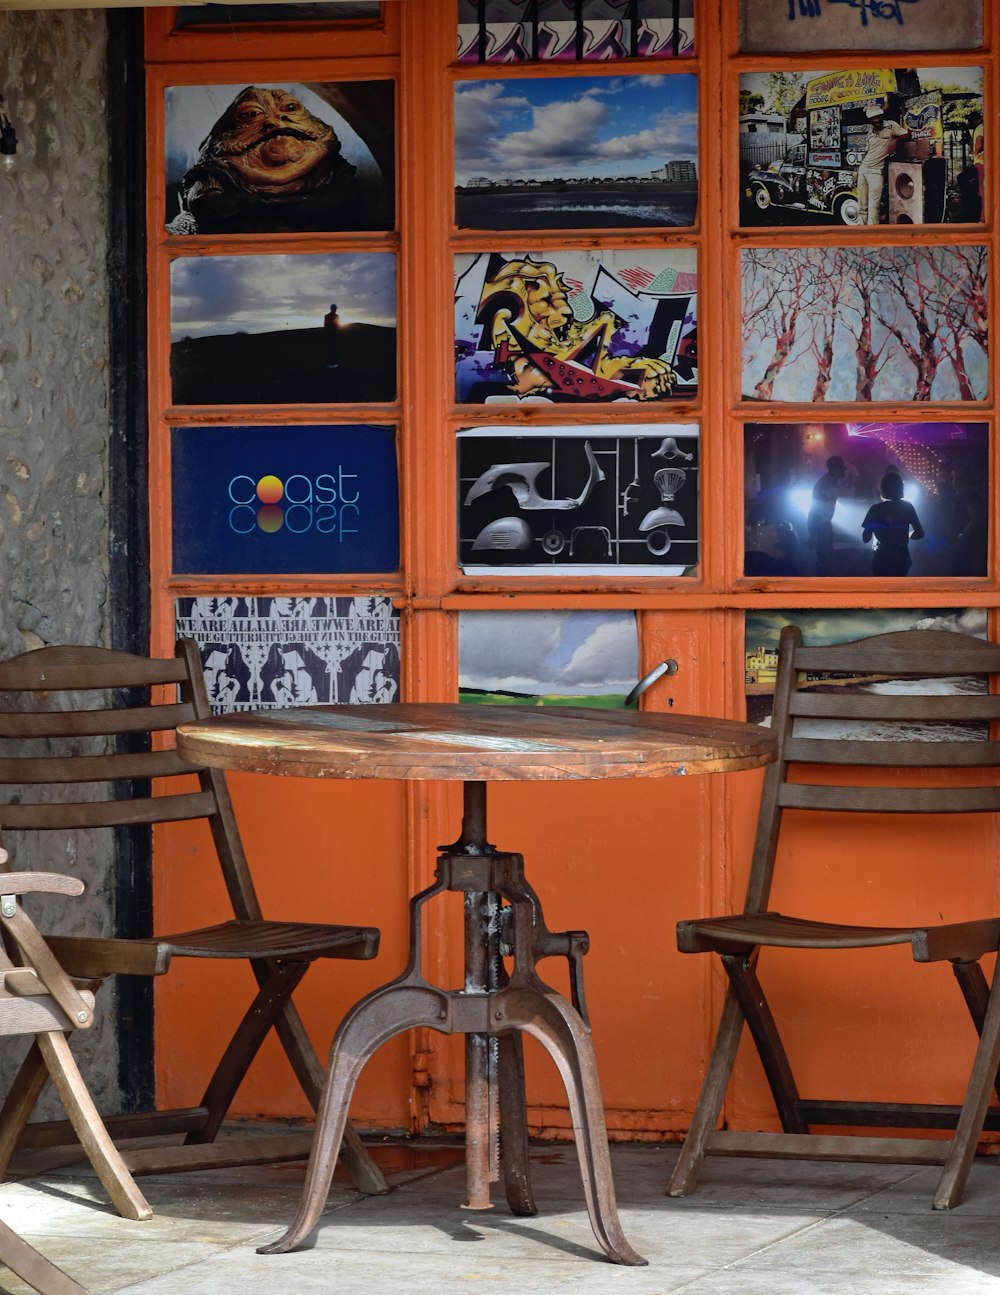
{"x": 270, "y": 140}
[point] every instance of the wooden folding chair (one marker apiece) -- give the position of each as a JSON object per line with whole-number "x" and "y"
{"x": 918, "y": 786}
{"x": 38, "y": 997}
{"x": 56, "y": 719}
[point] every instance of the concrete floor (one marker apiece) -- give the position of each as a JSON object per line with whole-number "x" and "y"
{"x": 754, "y": 1227}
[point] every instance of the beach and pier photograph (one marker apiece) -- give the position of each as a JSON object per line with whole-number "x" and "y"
{"x": 577, "y": 152}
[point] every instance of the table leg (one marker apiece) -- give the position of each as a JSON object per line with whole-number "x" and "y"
{"x": 491, "y": 1010}
{"x": 482, "y": 1151}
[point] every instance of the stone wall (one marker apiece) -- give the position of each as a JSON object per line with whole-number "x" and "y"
{"x": 54, "y": 367}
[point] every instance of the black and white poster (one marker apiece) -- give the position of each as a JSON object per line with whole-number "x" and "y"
{"x": 262, "y": 652}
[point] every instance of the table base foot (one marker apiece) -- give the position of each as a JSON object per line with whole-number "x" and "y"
{"x": 373, "y": 1021}
{"x": 548, "y": 1018}
{"x": 532, "y": 1008}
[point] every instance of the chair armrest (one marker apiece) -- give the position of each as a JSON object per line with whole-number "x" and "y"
{"x": 51, "y": 883}
{"x": 94, "y": 957}
{"x": 36, "y": 955}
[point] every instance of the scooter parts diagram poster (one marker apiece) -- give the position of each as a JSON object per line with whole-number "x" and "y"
{"x": 260, "y": 652}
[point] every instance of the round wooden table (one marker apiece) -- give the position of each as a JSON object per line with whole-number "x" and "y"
{"x": 503, "y": 919}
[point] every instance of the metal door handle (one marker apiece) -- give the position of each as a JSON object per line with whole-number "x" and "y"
{"x": 668, "y": 667}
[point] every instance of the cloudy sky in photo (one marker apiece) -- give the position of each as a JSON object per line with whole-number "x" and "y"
{"x": 263, "y": 294}
{"x": 574, "y": 127}
{"x": 548, "y": 651}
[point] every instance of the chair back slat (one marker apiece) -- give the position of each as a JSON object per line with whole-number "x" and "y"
{"x": 65, "y": 668}
{"x": 105, "y": 722}
{"x": 918, "y": 653}
{"x": 838, "y": 704}
{"x": 893, "y": 755}
{"x": 92, "y": 768}
{"x": 108, "y": 813}
{"x": 891, "y": 800}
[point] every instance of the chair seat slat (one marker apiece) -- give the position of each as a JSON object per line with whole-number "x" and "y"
{"x": 94, "y": 723}
{"x": 94, "y": 768}
{"x": 741, "y": 932}
{"x": 891, "y": 800}
{"x": 107, "y": 813}
{"x": 966, "y": 755}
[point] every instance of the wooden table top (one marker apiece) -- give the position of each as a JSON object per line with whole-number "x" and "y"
{"x": 425, "y": 740}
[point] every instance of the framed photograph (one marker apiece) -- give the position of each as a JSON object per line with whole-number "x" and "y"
{"x": 576, "y": 153}
{"x": 260, "y": 653}
{"x": 866, "y": 324}
{"x": 763, "y": 630}
{"x": 563, "y": 31}
{"x": 547, "y": 658}
{"x": 862, "y": 146}
{"x": 292, "y": 158}
{"x": 576, "y": 326}
{"x": 597, "y": 500}
{"x": 779, "y": 26}
{"x": 866, "y": 499}
{"x": 282, "y": 500}
{"x": 283, "y": 329}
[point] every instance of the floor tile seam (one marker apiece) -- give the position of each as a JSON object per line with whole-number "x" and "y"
{"x": 733, "y": 1264}
{"x": 219, "y": 1251}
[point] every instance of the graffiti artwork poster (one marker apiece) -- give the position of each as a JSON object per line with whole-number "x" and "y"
{"x": 866, "y": 499}
{"x": 569, "y": 658}
{"x": 599, "y": 500}
{"x": 259, "y": 653}
{"x": 576, "y": 153}
{"x": 546, "y": 31}
{"x": 283, "y": 329}
{"x": 831, "y": 625}
{"x": 785, "y": 26}
{"x": 279, "y": 500}
{"x": 267, "y": 159}
{"x": 865, "y": 324}
{"x": 862, "y": 146}
{"x": 576, "y": 326}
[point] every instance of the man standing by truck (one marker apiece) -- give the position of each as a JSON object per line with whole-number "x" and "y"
{"x": 871, "y": 173}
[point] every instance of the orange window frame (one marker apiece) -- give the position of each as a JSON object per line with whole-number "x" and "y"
{"x": 414, "y": 44}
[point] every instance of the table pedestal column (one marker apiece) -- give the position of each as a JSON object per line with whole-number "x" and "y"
{"x": 492, "y": 1010}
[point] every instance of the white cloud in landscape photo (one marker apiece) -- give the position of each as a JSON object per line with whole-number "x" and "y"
{"x": 264, "y": 294}
{"x": 587, "y": 653}
{"x": 574, "y": 127}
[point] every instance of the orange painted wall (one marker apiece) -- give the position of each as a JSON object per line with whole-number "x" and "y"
{"x": 623, "y": 861}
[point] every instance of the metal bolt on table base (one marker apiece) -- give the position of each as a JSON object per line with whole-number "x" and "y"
{"x": 492, "y": 1010}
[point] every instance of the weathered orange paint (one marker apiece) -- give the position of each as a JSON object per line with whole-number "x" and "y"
{"x": 624, "y": 861}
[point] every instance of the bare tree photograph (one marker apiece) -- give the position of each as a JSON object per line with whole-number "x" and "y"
{"x": 865, "y": 324}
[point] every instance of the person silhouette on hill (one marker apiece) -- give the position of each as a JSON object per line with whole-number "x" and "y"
{"x": 892, "y": 522}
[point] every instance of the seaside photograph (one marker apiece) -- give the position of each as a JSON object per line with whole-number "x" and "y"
{"x": 821, "y": 627}
{"x": 576, "y": 153}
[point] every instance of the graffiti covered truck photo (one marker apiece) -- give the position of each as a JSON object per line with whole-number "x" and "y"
{"x": 862, "y": 146}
